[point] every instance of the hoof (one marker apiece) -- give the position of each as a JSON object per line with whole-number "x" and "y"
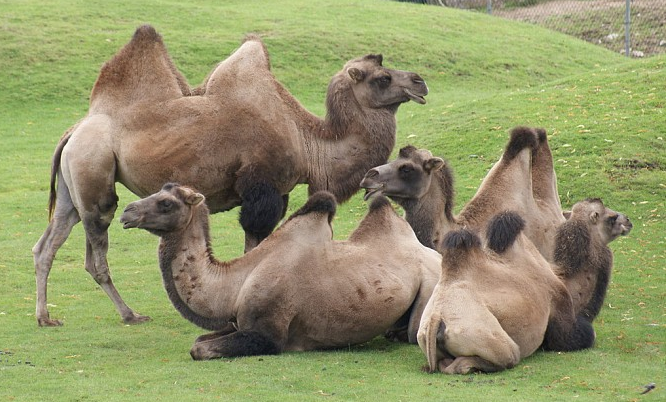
{"x": 200, "y": 352}
{"x": 47, "y": 322}
{"x": 136, "y": 319}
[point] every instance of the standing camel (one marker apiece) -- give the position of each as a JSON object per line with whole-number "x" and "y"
{"x": 240, "y": 138}
{"x": 299, "y": 289}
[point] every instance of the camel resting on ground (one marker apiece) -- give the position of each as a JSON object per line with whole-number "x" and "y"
{"x": 298, "y": 289}
{"x": 499, "y": 301}
{"x": 240, "y": 138}
{"x": 522, "y": 180}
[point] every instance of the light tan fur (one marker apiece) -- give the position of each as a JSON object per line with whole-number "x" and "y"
{"x": 494, "y": 305}
{"x": 239, "y": 130}
{"x": 522, "y": 180}
{"x": 494, "y": 310}
{"x": 299, "y": 289}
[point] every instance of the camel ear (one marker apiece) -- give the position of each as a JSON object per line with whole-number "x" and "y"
{"x": 356, "y": 74}
{"x": 567, "y": 214}
{"x": 433, "y": 164}
{"x": 194, "y": 199}
{"x": 594, "y": 217}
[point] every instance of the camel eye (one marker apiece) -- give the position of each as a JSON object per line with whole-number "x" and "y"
{"x": 405, "y": 169}
{"x": 384, "y": 81}
{"x": 164, "y": 206}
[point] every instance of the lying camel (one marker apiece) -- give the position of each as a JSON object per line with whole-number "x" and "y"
{"x": 298, "y": 289}
{"x": 499, "y": 302}
{"x": 240, "y": 138}
{"x": 581, "y": 256}
{"x": 523, "y": 180}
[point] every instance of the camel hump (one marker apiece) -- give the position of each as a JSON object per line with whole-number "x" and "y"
{"x": 320, "y": 202}
{"x": 458, "y": 248}
{"x": 141, "y": 71}
{"x": 244, "y": 69}
{"x": 520, "y": 139}
{"x": 503, "y": 229}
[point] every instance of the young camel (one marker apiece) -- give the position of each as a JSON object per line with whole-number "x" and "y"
{"x": 523, "y": 180}
{"x": 241, "y": 139}
{"x": 498, "y": 303}
{"x": 297, "y": 290}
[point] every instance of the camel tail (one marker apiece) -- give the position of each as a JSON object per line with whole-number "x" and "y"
{"x": 55, "y": 166}
{"x": 520, "y": 139}
{"x": 503, "y": 229}
{"x": 435, "y": 330}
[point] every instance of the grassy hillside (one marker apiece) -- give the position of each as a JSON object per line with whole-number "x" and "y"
{"x": 605, "y": 116}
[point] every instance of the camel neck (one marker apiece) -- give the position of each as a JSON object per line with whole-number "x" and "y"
{"x": 195, "y": 281}
{"x": 344, "y": 149}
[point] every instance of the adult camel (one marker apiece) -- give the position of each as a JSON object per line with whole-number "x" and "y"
{"x": 499, "y": 300}
{"x": 298, "y": 289}
{"x": 522, "y": 180}
{"x": 240, "y": 138}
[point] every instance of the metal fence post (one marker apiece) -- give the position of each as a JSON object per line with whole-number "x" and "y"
{"x": 627, "y": 28}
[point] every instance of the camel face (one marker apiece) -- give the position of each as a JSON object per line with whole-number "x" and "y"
{"x": 376, "y": 87}
{"x": 165, "y": 211}
{"x": 609, "y": 223}
{"x": 407, "y": 177}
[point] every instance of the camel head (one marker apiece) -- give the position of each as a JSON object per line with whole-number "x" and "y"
{"x": 168, "y": 210}
{"x": 407, "y": 177}
{"x": 375, "y": 86}
{"x": 608, "y": 223}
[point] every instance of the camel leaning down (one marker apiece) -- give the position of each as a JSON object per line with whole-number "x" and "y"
{"x": 298, "y": 289}
{"x": 522, "y": 180}
{"x": 240, "y": 138}
{"x": 500, "y": 300}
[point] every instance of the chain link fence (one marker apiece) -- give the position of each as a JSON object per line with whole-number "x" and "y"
{"x": 635, "y": 28}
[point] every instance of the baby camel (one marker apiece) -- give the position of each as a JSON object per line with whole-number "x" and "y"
{"x": 298, "y": 289}
{"x": 522, "y": 180}
{"x": 498, "y": 302}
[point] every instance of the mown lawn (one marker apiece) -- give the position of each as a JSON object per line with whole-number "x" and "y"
{"x": 605, "y": 116}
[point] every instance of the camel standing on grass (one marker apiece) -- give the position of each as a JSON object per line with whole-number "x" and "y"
{"x": 298, "y": 289}
{"x": 522, "y": 180}
{"x": 497, "y": 302}
{"x": 240, "y": 138}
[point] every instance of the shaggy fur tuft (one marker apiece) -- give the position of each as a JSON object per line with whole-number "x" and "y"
{"x": 245, "y": 343}
{"x": 262, "y": 208}
{"x": 520, "y": 139}
{"x": 580, "y": 336}
{"x": 503, "y": 229}
{"x": 321, "y": 201}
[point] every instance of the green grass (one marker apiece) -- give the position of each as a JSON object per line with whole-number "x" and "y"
{"x": 605, "y": 116}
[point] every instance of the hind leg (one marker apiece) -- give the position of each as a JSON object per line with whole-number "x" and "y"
{"x": 262, "y": 207}
{"x": 64, "y": 218}
{"x": 96, "y": 223}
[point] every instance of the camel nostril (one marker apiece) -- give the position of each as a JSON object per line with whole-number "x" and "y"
{"x": 371, "y": 173}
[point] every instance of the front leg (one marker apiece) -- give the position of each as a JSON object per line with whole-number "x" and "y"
{"x": 226, "y": 330}
{"x": 235, "y": 344}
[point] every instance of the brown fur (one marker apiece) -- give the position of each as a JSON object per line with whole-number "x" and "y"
{"x": 242, "y": 139}
{"x": 522, "y": 180}
{"x": 582, "y": 255}
{"x": 299, "y": 289}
